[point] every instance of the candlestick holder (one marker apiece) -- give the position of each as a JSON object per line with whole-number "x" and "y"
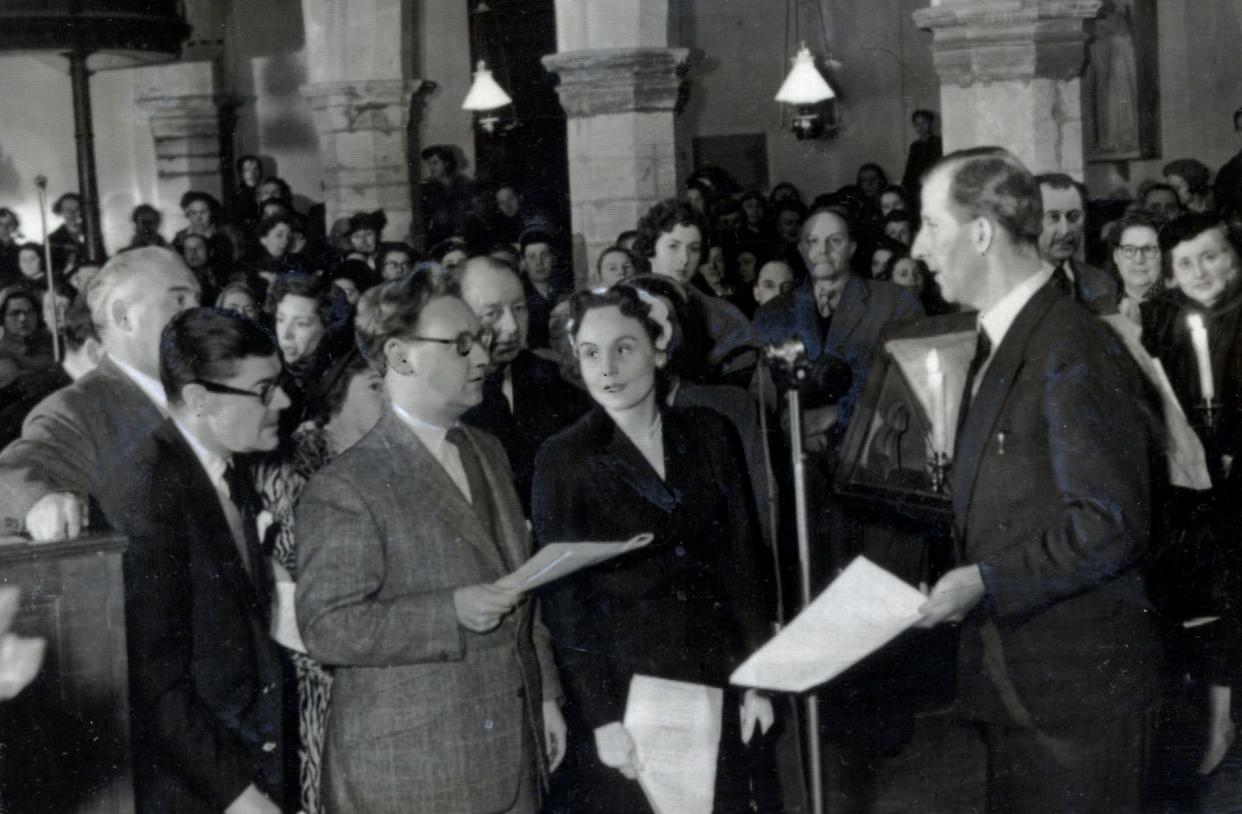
{"x": 938, "y": 469}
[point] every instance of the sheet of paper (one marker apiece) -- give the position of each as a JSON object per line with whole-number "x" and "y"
{"x": 863, "y": 609}
{"x": 676, "y": 732}
{"x": 1187, "y": 461}
{"x": 556, "y": 560}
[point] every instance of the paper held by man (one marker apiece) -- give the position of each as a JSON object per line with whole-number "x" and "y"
{"x": 556, "y": 560}
{"x": 676, "y": 730}
{"x": 862, "y": 610}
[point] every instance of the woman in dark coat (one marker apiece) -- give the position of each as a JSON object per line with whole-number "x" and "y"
{"x": 1197, "y": 574}
{"x": 690, "y": 606}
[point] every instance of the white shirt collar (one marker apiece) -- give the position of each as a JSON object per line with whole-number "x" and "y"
{"x": 998, "y": 319}
{"x": 1068, "y": 265}
{"x": 431, "y": 435}
{"x": 148, "y": 385}
{"x": 213, "y": 463}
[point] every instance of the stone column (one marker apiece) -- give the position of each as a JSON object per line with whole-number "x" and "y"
{"x": 620, "y": 87}
{"x": 181, "y": 104}
{"x": 362, "y": 97}
{"x": 363, "y": 138}
{"x": 1010, "y": 76}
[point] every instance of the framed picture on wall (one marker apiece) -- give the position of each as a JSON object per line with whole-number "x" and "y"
{"x": 1121, "y": 85}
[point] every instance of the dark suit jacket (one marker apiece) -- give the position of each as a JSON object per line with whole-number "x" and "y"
{"x": 648, "y": 611}
{"x": 866, "y": 307}
{"x": 543, "y": 405}
{"x": 70, "y": 436}
{"x": 1094, "y": 288}
{"x": 426, "y": 715}
{"x": 205, "y": 678}
{"x": 1051, "y": 494}
{"x": 23, "y": 395}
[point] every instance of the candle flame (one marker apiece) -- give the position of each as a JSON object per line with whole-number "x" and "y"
{"x": 933, "y": 361}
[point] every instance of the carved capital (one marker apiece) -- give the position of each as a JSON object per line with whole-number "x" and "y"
{"x": 383, "y": 105}
{"x": 1005, "y": 40}
{"x": 619, "y": 80}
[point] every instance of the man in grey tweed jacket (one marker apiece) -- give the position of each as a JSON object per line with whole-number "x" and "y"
{"x": 445, "y": 696}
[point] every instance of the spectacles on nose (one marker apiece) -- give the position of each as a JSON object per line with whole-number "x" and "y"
{"x": 267, "y": 391}
{"x": 833, "y": 241}
{"x": 464, "y": 341}
{"x": 1149, "y": 252}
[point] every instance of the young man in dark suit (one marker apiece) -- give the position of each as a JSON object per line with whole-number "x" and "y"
{"x": 1061, "y": 235}
{"x": 205, "y": 678}
{"x": 525, "y": 400}
{"x": 1051, "y": 494}
{"x": 48, "y": 475}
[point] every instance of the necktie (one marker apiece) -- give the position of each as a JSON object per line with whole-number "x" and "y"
{"x": 983, "y": 350}
{"x": 480, "y": 494}
{"x": 1061, "y": 282}
{"x": 234, "y": 499}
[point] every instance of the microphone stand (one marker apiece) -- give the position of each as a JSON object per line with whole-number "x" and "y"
{"x": 54, "y": 312}
{"x": 790, "y": 359}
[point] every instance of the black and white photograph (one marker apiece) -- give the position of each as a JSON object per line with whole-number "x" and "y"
{"x": 620, "y": 406}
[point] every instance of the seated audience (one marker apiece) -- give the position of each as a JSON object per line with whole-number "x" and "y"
{"x": 80, "y": 354}
{"x": 1162, "y": 201}
{"x": 545, "y": 286}
{"x": 775, "y": 278}
{"x": 613, "y": 265}
{"x": 1136, "y": 260}
{"x": 25, "y": 344}
{"x": 396, "y": 260}
{"x": 146, "y": 220}
{"x": 239, "y": 299}
{"x": 366, "y": 230}
{"x": 1189, "y": 178}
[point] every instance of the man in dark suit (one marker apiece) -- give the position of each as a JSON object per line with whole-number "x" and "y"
{"x": 834, "y": 311}
{"x": 205, "y": 678}
{"x": 1051, "y": 496}
{"x": 47, "y": 476}
{"x": 525, "y": 400}
{"x": 1061, "y": 236}
{"x": 445, "y": 697}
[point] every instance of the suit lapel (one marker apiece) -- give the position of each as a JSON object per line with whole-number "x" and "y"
{"x": 986, "y": 406}
{"x": 850, "y": 312}
{"x": 214, "y": 527}
{"x": 426, "y": 476}
{"x": 618, "y": 455}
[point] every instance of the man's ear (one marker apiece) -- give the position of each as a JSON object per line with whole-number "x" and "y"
{"x": 982, "y": 233}
{"x": 94, "y": 351}
{"x": 194, "y": 397}
{"x": 395, "y": 357}
{"x": 119, "y": 312}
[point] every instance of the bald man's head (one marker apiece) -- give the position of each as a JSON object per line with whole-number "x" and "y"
{"x": 494, "y": 292}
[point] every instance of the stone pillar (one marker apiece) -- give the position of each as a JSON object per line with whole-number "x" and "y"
{"x": 620, "y": 86}
{"x": 1010, "y": 76}
{"x": 362, "y": 96}
{"x": 181, "y": 104}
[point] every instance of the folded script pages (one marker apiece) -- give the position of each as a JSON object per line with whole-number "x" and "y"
{"x": 556, "y": 560}
{"x": 863, "y": 609}
{"x": 676, "y": 732}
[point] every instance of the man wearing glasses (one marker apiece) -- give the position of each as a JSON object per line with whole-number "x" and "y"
{"x": 205, "y": 678}
{"x": 445, "y": 697}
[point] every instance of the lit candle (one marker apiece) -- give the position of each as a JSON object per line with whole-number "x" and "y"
{"x": 1198, "y": 338}
{"x": 935, "y": 390}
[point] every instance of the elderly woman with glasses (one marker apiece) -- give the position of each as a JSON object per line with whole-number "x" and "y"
{"x": 1136, "y": 260}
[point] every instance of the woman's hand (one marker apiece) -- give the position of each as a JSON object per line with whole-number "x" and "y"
{"x": 1221, "y": 730}
{"x": 555, "y": 732}
{"x": 616, "y": 749}
{"x": 756, "y": 708}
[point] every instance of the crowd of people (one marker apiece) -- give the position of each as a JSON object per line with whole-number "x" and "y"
{"x": 326, "y": 448}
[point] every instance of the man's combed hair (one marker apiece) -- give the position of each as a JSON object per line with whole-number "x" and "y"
{"x": 990, "y": 182}
{"x": 392, "y": 309}
{"x": 207, "y": 343}
{"x": 118, "y": 271}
